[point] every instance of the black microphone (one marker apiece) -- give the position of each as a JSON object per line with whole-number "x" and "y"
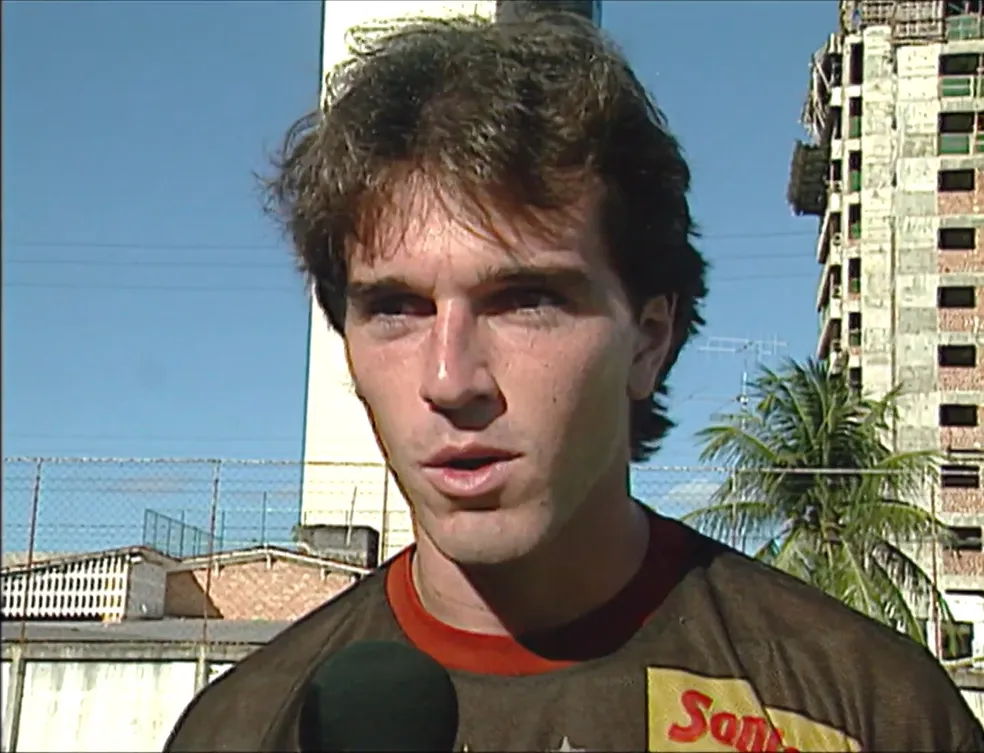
{"x": 377, "y": 696}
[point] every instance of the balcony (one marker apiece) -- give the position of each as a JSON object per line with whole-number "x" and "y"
{"x": 830, "y": 310}
{"x": 961, "y": 143}
{"x": 961, "y": 133}
{"x": 854, "y": 181}
{"x": 854, "y": 127}
{"x": 107, "y": 586}
{"x": 969, "y": 26}
{"x": 830, "y": 338}
{"x": 962, "y": 86}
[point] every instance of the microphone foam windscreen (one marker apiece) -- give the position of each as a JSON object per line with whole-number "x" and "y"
{"x": 380, "y": 696}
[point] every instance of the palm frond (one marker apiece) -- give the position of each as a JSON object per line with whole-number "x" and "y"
{"x": 735, "y": 521}
{"x": 816, "y": 480}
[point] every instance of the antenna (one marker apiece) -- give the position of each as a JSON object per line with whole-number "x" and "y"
{"x": 749, "y": 349}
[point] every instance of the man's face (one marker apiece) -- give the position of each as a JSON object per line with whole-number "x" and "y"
{"x": 498, "y": 377}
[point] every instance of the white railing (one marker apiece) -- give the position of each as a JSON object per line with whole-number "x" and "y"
{"x": 84, "y": 589}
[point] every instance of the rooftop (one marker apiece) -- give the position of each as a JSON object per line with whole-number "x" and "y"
{"x": 168, "y": 630}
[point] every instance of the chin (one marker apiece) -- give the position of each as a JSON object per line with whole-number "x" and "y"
{"x": 488, "y": 537}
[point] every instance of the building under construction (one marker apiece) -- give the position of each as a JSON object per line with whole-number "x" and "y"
{"x": 894, "y": 171}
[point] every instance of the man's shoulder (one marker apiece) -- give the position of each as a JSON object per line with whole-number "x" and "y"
{"x": 792, "y": 638}
{"x": 255, "y": 694}
{"x": 761, "y": 601}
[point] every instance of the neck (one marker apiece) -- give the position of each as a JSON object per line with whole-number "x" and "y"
{"x": 584, "y": 565}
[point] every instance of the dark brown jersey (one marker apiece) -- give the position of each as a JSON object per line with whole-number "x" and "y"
{"x": 704, "y": 650}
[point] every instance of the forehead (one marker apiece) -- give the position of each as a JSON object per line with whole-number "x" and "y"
{"x": 420, "y": 224}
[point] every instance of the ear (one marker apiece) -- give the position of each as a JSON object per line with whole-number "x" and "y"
{"x": 654, "y": 335}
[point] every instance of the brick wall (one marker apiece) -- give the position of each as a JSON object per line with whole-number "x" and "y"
{"x": 964, "y": 437}
{"x": 184, "y": 596}
{"x": 963, "y": 202}
{"x": 280, "y": 590}
{"x": 964, "y": 261}
{"x": 963, "y": 320}
{"x": 963, "y": 378}
{"x": 963, "y": 563}
{"x": 962, "y": 500}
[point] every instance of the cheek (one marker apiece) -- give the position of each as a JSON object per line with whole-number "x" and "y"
{"x": 603, "y": 398}
{"x": 380, "y": 388}
{"x": 582, "y": 384}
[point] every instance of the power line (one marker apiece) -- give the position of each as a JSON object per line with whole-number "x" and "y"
{"x": 284, "y": 264}
{"x": 170, "y": 288}
{"x": 195, "y": 246}
{"x": 144, "y": 437}
{"x": 140, "y": 264}
{"x": 271, "y": 289}
{"x": 198, "y": 264}
{"x": 142, "y": 246}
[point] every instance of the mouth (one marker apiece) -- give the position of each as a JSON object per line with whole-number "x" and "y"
{"x": 469, "y": 459}
{"x": 471, "y": 472}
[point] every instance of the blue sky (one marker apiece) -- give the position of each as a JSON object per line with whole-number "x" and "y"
{"x": 151, "y": 310}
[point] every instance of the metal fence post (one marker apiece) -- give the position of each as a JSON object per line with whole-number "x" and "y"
{"x": 18, "y": 667}
{"x": 384, "y": 528}
{"x": 15, "y": 697}
{"x": 263, "y": 521}
{"x": 32, "y": 535}
{"x": 207, "y": 590}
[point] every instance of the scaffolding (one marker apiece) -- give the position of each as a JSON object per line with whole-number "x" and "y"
{"x": 911, "y": 21}
{"x": 807, "y": 189}
{"x": 815, "y": 117}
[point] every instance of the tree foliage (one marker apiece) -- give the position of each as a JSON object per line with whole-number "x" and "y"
{"x": 819, "y": 493}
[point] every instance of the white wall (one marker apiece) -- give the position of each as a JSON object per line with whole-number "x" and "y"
{"x": 4, "y": 684}
{"x": 99, "y": 706}
{"x": 966, "y": 607}
{"x": 970, "y": 608}
{"x": 348, "y": 485}
{"x": 130, "y": 706}
{"x": 975, "y": 699}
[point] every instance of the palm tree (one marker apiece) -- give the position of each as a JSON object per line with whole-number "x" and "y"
{"x": 816, "y": 481}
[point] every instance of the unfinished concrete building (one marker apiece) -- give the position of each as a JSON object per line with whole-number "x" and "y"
{"x": 894, "y": 170}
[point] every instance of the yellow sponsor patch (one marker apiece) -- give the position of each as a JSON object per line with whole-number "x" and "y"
{"x": 688, "y": 712}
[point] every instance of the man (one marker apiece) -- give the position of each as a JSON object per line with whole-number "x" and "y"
{"x": 495, "y": 219}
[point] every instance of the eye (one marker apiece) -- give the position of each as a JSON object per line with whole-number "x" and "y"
{"x": 529, "y": 299}
{"x": 399, "y": 305}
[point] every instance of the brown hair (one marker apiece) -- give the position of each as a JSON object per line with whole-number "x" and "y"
{"x": 523, "y": 112}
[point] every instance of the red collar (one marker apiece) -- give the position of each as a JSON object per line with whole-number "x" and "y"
{"x": 596, "y": 634}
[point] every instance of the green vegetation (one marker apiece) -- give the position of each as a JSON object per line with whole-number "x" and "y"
{"x": 818, "y": 492}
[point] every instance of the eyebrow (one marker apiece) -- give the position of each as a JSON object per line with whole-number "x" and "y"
{"x": 574, "y": 279}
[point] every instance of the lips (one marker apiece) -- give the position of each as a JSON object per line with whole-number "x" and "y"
{"x": 469, "y": 458}
{"x": 468, "y": 472}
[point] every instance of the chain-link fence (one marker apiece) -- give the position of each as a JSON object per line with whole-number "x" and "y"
{"x": 198, "y": 516}
{"x": 186, "y": 508}
{"x": 179, "y": 507}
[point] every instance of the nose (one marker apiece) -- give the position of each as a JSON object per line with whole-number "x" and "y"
{"x": 457, "y": 380}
